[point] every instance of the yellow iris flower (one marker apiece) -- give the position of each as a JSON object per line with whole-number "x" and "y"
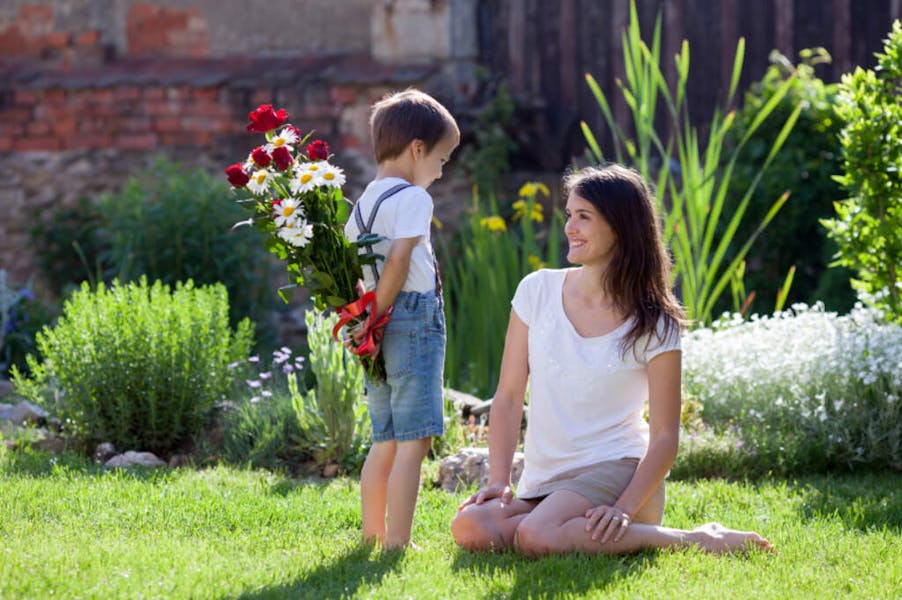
{"x": 520, "y": 208}
{"x": 531, "y": 188}
{"x": 494, "y": 223}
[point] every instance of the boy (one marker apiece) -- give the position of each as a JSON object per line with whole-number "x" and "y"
{"x": 413, "y": 136}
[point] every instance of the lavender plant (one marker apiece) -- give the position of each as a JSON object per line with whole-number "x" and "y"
{"x": 259, "y": 424}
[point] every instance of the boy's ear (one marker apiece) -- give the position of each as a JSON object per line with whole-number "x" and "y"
{"x": 418, "y": 147}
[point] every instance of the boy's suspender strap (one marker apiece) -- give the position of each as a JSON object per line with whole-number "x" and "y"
{"x": 367, "y": 228}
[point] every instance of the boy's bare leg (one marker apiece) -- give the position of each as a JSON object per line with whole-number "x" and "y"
{"x": 403, "y": 488}
{"x": 373, "y": 489}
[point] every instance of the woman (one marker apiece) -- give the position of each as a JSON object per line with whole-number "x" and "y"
{"x": 596, "y": 342}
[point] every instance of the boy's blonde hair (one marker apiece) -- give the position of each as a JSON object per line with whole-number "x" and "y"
{"x": 403, "y": 117}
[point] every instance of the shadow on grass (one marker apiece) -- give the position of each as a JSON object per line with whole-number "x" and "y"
{"x": 862, "y": 501}
{"x": 341, "y": 578}
{"x": 550, "y": 576}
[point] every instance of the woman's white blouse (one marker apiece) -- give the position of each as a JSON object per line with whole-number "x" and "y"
{"x": 586, "y": 401}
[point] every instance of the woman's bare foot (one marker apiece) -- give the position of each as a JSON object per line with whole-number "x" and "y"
{"x": 716, "y": 538}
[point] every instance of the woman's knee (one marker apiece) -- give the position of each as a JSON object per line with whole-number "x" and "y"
{"x": 475, "y": 529}
{"x": 466, "y": 530}
{"x": 535, "y": 538}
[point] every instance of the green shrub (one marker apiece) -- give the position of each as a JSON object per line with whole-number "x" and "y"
{"x": 70, "y": 246}
{"x": 802, "y": 391}
{"x": 333, "y": 420}
{"x": 804, "y": 166}
{"x": 169, "y": 224}
{"x": 487, "y": 160}
{"x": 485, "y": 261}
{"x": 260, "y": 434}
{"x": 137, "y": 365}
{"x": 868, "y": 225}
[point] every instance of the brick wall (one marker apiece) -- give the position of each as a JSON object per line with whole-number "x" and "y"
{"x": 60, "y": 141}
{"x": 215, "y": 28}
{"x": 91, "y": 91}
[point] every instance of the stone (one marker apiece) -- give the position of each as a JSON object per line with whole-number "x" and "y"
{"x": 134, "y": 459}
{"x": 6, "y": 389}
{"x": 105, "y": 452}
{"x": 52, "y": 443}
{"x": 25, "y": 412}
{"x": 471, "y": 466}
{"x": 330, "y": 470}
{"x": 462, "y": 402}
{"x": 482, "y": 408}
{"x": 179, "y": 460}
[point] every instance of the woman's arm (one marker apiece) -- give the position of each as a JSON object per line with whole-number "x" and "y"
{"x": 664, "y": 373}
{"x": 506, "y": 413}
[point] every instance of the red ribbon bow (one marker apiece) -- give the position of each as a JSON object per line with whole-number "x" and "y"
{"x": 373, "y": 328}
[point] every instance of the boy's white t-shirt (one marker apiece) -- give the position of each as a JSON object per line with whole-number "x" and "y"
{"x": 586, "y": 401}
{"x": 405, "y": 214}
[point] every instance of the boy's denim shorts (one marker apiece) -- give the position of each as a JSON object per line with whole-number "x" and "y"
{"x": 409, "y": 405}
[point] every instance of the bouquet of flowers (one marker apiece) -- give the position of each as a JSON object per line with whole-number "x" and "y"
{"x": 297, "y": 202}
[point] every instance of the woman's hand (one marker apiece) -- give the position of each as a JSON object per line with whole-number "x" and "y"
{"x": 607, "y": 522}
{"x": 487, "y": 493}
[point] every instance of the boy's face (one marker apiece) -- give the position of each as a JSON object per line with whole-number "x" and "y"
{"x": 428, "y": 165}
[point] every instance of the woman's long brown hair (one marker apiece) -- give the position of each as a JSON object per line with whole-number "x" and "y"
{"x": 638, "y": 275}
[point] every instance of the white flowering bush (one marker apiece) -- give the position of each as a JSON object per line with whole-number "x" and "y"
{"x": 802, "y": 390}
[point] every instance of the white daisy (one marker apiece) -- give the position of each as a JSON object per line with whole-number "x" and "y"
{"x": 332, "y": 175}
{"x": 286, "y": 137}
{"x": 249, "y": 164}
{"x": 288, "y": 212}
{"x": 307, "y": 176}
{"x": 260, "y": 180}
{"x": 298, "y": 235}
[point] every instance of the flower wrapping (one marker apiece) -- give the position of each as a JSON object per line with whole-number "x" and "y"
{"x": 297, "y": 202}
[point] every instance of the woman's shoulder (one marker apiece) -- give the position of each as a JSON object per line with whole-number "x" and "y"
{"x": 544, "y": 277}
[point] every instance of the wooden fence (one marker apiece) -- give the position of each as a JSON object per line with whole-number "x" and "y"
{"x": 543, "y": 48}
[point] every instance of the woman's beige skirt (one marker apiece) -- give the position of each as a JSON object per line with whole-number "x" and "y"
{"x": 601, "y": 484}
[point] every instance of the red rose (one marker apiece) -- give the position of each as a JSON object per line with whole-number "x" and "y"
{"x": 265, "y": 118}
{"x": 297, "y": 132}
{"x": 276, "y": 202}
{"x": 318, "y": 150}
{"x": 261, "y": 157}
{"x": 281, "y": 157}
{"x": 238, "y": 177}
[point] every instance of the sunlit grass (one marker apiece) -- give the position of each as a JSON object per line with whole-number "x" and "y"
{"x": 71, "y": 530}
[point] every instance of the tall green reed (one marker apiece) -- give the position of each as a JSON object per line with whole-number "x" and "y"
{"x": 692, "y": 175}
{"x": 485, "y": 261}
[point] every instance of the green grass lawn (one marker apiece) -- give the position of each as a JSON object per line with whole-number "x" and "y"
{"x": 69, "y": 530}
